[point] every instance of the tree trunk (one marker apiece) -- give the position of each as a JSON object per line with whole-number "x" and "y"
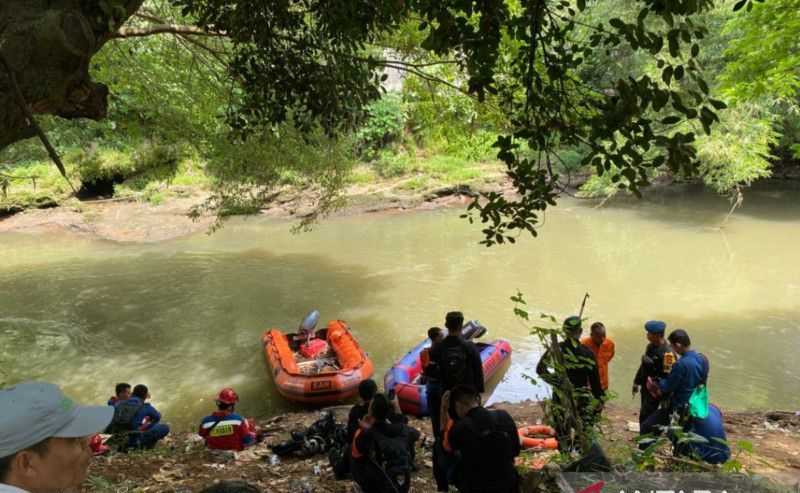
{"x": 48, "y": 45}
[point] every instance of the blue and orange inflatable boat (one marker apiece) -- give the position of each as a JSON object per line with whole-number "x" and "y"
{"x": 404, "y": 376}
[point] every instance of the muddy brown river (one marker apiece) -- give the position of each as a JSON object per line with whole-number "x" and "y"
{"x": 185, "y": 316}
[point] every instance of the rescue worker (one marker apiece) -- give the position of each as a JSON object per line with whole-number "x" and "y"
{"x": 366, "y": 391}
{"x": 224, "y": 429}
{"x": 690, "y": 371}
{"x": 432, "y": 377}
{"x": 656, "y": 364}
{"x": 147, "y": 420}
{"x": 711, "y": 446}
{"x": 581, "y": 371}
{"x": 457, "y": 362}
{"x": 44, "y": 439}
{"x": 122, "y": 392}
{"x": 381, "y": 457}
{"x": 487, "y": 442}
{"x": 603, "y": 349}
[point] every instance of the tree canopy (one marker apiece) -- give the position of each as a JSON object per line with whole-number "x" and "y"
{"x": 624, "y": 83}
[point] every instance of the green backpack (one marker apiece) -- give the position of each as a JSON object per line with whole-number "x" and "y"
{"x": 698, "y": 401}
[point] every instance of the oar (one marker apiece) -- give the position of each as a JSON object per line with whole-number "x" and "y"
{"x": 583, "y": 305}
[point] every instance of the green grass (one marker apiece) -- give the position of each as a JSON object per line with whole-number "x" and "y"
{"x": 416, "y": 183}
{"x": 363, "y": 175}
{"x": 415, "y": 172}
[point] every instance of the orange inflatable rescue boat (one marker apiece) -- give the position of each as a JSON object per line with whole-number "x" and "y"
{"x": 331, "y": 374}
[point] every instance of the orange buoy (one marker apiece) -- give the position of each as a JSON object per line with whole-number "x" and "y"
{"x": 529, "y": 440}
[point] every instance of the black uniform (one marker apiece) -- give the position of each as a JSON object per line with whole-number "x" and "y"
{"x": 581, "y": 369}
{"x": 652, "y": 366}
{"x": 488, "y": 442}
{"x": 473, "y": 371}
{"x": 366, "y": 472}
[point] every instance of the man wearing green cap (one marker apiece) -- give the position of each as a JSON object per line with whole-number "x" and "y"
{"x": 581, "y": 370}
{"x": 44, "y": 438}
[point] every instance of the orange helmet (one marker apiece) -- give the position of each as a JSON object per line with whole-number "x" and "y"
{"x": 227, "y": 396}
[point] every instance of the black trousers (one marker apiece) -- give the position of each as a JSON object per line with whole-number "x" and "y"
{"x": 654, "y": 422}
{"x": 434, "y": 391}
{"x": 648, "y": 407}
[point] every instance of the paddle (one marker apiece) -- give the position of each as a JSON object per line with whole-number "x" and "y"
{"x": 583, "y": 305}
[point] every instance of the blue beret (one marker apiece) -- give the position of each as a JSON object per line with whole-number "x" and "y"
{"x": 655, "y": 326}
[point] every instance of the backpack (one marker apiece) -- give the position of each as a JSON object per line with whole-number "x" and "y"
{"x": 392, "y": 455}
{"x": 496, "y": 443}
{"x": 698, "y": 401}
{"x": 454, "y": 366}
{"x": 124, "y": 412}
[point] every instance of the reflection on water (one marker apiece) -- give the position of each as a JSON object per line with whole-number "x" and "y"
{"x": 185, "y": 316}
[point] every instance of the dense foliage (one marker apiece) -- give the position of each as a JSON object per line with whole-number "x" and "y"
{"x": 625, "y": 90}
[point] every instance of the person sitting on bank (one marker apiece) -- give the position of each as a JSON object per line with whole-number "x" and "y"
{"x": 122, "y": 392}
{"x": 487, "y": 441}
{"x": 44, "y": 438}
{"x": 224, "y": 429}
{"x": 603, "y": 349}
{"x": 690, "y": 371}
{"x": 656, "y": 364}
{"x": 138, "y": 420}
{"x": 381, "y": 454}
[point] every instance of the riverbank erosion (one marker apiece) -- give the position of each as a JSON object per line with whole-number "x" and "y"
{"x": 182, "y": 464}
{"x": 140, "y": 221}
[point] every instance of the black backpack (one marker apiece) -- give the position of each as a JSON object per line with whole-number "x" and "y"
{"x": 495, "y": 443}
{"x": 124, "y": 412}
{"x": 392, "y": 455}
{"x": 454, "y": 366}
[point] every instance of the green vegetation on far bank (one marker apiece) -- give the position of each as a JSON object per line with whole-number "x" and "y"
{"x": 168, "y": 129}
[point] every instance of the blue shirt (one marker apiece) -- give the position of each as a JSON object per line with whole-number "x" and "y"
{"x": 690, "y": 371}
{"x": 714, "y": 448}
{"x": 147, "y": 411}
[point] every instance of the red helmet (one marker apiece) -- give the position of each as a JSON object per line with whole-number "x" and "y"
{"x": 227, "y": 396}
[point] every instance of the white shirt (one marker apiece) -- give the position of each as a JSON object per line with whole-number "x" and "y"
{"x": 7, "y": 488}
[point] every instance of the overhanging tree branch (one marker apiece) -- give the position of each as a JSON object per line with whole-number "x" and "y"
{"x": 32, "y": 121}
{"x": 179, "y": 29}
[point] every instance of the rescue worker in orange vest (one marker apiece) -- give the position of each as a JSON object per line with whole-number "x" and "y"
{"x": 444, "y": 457}
{"x": 224, "y": 429}
{"x": 603, "y": 349}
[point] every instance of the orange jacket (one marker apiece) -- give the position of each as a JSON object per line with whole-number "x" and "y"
{"x": 603, "y": 354}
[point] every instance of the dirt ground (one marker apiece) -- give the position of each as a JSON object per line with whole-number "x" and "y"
{"x": 182, "y": 464}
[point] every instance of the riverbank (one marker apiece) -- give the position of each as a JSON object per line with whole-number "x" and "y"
{"x": 135, "y": 219}
{"x": 182, "y": 464}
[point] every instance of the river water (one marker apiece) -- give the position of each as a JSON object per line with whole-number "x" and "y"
{"x": 185, "y": 316}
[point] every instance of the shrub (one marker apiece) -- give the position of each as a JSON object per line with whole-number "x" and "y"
{"x": 390, "y": 165}
{"x": 384, "y": 124}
